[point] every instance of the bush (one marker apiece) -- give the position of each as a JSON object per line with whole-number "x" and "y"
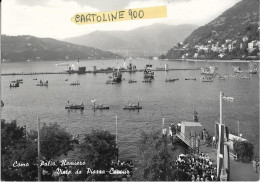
{"x": 244, "y": 150}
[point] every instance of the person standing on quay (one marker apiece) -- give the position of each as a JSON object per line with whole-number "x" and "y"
{"x": 256, "y": 165}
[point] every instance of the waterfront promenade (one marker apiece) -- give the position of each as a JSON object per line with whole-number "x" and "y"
{"x": 239, "y": 171}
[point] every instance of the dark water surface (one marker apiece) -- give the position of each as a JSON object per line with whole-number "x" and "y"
{"x": 172, "y": 101}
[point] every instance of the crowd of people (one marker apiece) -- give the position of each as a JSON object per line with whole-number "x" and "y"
{"x": 200, "y": 168}
{"x": 125, "y": 167}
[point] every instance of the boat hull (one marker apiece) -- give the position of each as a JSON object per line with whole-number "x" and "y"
{"x": 101, "y": 108}
{"x": 190, "y": 78}
{"x": 132, "y": 107}
{"x": 171, "y": 80}
{"x": 74, "y": 107}
{"x": 42, "y": 85}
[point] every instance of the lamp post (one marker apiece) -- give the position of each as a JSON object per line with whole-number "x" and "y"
{"x": 39, "y": 151}
{"x": 116, "y": 141}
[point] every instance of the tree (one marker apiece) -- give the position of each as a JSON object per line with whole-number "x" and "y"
{"x": 163, "y": 56}
{"x": 156, "y": 162}
{"x": 98, "y": 149}
{"x": 244, "y": 150}
{"x": 55, "y": 140}
{"x": 17, "y": 148}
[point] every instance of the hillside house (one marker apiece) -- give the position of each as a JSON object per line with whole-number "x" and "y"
{"x": 245, "y": 39}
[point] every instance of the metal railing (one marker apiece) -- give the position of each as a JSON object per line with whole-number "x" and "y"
{"x": 185, "y": 139}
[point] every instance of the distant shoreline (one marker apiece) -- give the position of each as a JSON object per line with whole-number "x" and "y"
{"x": 217, "y": 60}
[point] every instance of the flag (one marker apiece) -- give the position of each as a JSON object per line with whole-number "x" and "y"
{"x": 93, "y": 100}
{"x": 226, "y": 152}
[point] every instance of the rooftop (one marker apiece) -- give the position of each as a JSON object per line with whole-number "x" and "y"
{"x": 188, "y": 123}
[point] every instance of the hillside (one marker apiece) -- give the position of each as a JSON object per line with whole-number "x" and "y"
{"x": 144, "y": 41}
{"x": 25, "y": 47}
{"x": 235, "y": 34}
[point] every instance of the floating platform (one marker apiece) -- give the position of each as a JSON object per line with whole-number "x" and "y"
{"x": 96, "y": 71}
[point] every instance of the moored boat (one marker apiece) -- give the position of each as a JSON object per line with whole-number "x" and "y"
{"x": 208, "y": 70}
{"x": 132, "y": 81}
{"x": 75, "y": 83}
{"x": 17, "y": 81}
{"x": 14, "y": 85}
{"x": 237, "y": 69}
{"x": 148, "y": 73}
{"x": 132, "y": 107}
{"x": 43, "y": 83}
{"x": 2, "y": 103}
{"x": 171, "y": 79}
{"x": 117, "y": 76}
{"x": 207, "y": 79}
{"x": 75, "y": 106}
{"x": 100, "y": 106}
{"x": 191, "y": 78}
{"x": 220, "y": 77}
{"x": 253, "y": 69}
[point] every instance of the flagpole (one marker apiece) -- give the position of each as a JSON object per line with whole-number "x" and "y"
{"x": 39, "y": 152}
{"x": 116, "y": 141}
{"x": 162, "y": 124}
{"x": 220, "y": 113}
{"x": 193, "y": 114}
{"x": 238, "y": 128}
{"x": 0, "y": 57}
{"x": 116, "y": 130}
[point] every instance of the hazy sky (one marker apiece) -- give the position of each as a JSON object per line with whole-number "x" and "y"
{"x": 52, "y": 18}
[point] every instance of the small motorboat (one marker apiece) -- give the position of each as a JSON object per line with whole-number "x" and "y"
{"x": 132, "y": 107}
{"x": 101, "y": 107}
{"x": 132, "y": 81}
{"x": 75, "y": 106}
{"x": 171, "y": 79}
{"x": 35, "y": 79}
{"x": 2, "y": 103}
{"x": 17, "y": 81}
{"x": 14, "y": 85}
{"x": 43, "y": 84}
{"x": 191, "y": 78}
{"x": 221, "y": 77}
{"x": 206, "y": 79}
{"x": 75, "y": 83}
{"x": 208, "y": 70}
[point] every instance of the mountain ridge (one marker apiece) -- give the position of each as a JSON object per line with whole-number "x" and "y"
{"x": 27, "y": 47}
{"x": 141, "y": 41}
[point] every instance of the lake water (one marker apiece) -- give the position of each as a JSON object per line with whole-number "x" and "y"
{"x": 172, "y": 101}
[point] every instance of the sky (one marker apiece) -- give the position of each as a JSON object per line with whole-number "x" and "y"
{"x": 52, "y": 18}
